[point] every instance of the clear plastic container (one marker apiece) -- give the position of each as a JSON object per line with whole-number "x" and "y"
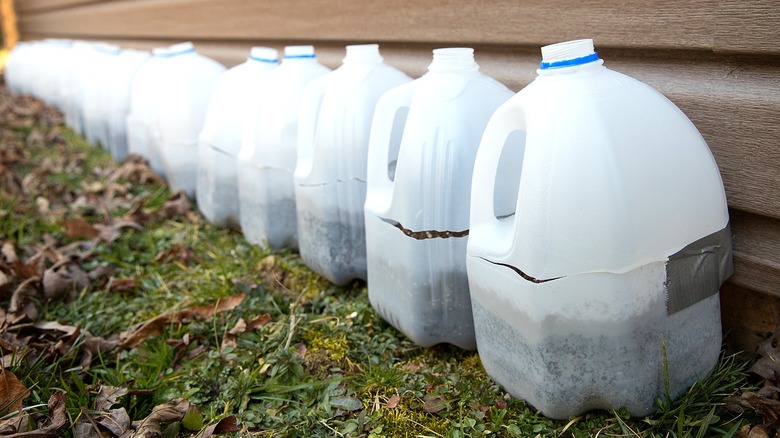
{"x": 266, "y": 160}
{"x": 142, "y": 126}
{"x": 599, "y": 239}
{"x": 220, "y": 141}
{"x": 185, "y": 85}
{"x": 117, "y": 105}
{"x": 330, "y": 175}
{"x": 94, "y": 92}
{"x": 423, "y": 141}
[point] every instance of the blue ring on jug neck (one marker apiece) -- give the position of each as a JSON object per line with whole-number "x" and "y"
{"x": 569, "y": 62}
{"x": 300, "y": 56}
{"x": 175, "y": 54}
{"x": 268, "y": 60}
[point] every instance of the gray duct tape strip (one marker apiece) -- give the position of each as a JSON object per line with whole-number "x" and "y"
{"x": 697, "y": 271}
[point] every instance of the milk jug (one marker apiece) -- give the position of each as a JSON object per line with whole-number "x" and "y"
{"x": 266, "y": 160}
{"x": 77, "y": 68}
{"x": 599, "y": 240}
{"x": 330, "y": 175}
{"x": 94, "y": 91}
{"x": 121, "y": 75}
{"x": 220, "y": 140}
{"x": 423, "y": 141}
{"x": 185, "y": 85}
{"x": 142, "y": 126}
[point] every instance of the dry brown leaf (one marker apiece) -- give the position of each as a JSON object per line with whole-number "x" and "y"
{"x": 64, "y": 277}
{"x": 392, "y": 402}
{"x": 176, "y": 205}
{"x": 55, "y": 424}
{"x": 242, "y": 327}
{"x": 136, "y": 170}
{"x": 96, "y": 345}
{"x": 768, "y": 363}
{"x": 151, "y": 426}
{"x": 13, "y": 425}
{"x": 155, "y": 326}
{"x": 21, "y": 297}
{"x": 8, "y": 252}
{"x": 110, "y": 233}
{"x": 183, "y": 254}
{"x": 5, "y": 280}
{"x": 121, "y": 285}
{"x": 108, "y": 396}
{"x": 271, "y": 273}
{"x": 12, "y": 393}
{"x": 101, "y": 274}
{"x": 69, "y": 330}
{"x": 80, "y": 228}
{"x": 225, "y": 425}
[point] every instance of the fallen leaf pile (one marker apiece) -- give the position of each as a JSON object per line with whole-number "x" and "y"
{"x": 766, "y": 400}
{"x": 64, "y": 264}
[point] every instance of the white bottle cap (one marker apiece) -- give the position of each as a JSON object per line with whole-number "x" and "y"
{"x": 363, "y": 53}
{"x": 299, "y": 52}
{"x": 568, "y": 54}
{"x": 264, "y": 54}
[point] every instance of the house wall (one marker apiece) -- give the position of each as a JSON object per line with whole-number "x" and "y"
{"x": 718, "y": 60}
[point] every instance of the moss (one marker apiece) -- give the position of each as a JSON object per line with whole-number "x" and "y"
{"x": 404, "y": 422}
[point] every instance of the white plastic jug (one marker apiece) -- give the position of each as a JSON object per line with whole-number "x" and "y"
{"x": 599, "y": 239}
{"x": 185, "y": 85}
{"x": 235, "y": 94}
{"x": 119, "y": 86}
{"x": 94, "y": 90}
{"x": 78, "y": 67}
{"x": 417, "y": 203}
{"x": 142, "y": 126}
{"x": 330, "y": 175}
{"x": 266, "y": 160}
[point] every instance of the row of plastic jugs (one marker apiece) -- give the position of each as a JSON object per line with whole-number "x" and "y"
{"x": 576, "y": 232}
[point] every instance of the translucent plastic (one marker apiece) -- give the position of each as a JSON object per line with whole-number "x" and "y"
{"x": 117, "y": 99}
{"x": 96, "y": 82}
{"x": 417, "y": 204}
{"x": 330, "y": 175}
{"x": 142, "y": 127}
{"x": 220, "y": 141}
{"x": 77, "y": 69}
{"x": 584, "y": 184}
{"x": 172, "y": 93}
{"x": 266, "y": 160}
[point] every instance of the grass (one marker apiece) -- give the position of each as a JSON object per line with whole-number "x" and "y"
{"x": 324, "y": 365}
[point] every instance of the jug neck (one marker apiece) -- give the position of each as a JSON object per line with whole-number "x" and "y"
{"x": 568, "y": 56}
{"x": 453, "y": 59}
{"x": 174, "y": 50}
{"x": 299, "y": 54}
{"x": 264, "y": 55}
{"x": 363, "y": 54}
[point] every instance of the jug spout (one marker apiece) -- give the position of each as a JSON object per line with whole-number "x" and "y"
{"x": 453, "y": 59}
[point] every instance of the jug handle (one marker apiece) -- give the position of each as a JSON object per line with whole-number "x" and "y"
{"x": 307, "y": 125}
{"x": 508, "y": 118}
{"x": 385, "y": 115}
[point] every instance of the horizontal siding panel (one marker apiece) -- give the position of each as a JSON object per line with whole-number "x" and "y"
{"x": 756, "y": 252}
{"x": 665, "y": 24}
{"x": 750, "y": 26}
{"x": 30, "y": 6}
